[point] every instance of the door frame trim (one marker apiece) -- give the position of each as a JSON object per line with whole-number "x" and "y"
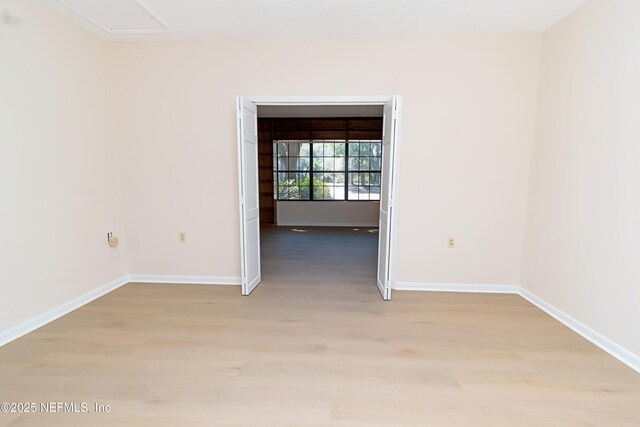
{"x": 338, "y": 100}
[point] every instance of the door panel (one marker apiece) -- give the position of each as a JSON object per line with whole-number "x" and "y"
{"x": 249, "y": 194}
{"x": 389, "y": 137}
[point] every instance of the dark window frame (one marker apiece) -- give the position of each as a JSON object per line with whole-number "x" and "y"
{"x": 346, "y": 172}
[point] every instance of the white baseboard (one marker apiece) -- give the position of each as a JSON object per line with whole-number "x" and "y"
{"x": 622, "y": 354}
{"x": 53, "y": 314}
{"x": 187, "y": 280}
{"x": 455, "y": 287}
{"x": 327, "y": 224}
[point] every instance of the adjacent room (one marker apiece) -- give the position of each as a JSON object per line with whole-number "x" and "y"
{"x": 320, "y": 173}
{"x": 319, "y": 213}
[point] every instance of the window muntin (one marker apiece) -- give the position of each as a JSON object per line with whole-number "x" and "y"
{"x": 328, "y": 169}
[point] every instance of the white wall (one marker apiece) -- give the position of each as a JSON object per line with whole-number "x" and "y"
{"x": 582, "y": 252}
{"x": 58, "y": 179}
{"x": 469, "y": 107}
{"x": 362, "y": 214}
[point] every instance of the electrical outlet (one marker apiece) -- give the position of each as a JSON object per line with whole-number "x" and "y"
{"x": 111, "y": 240}
{"x": 451, "y": 242}
{"x": 182, "y": 237}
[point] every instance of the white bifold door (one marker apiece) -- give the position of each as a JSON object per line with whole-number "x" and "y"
{"x": 390, "y": 137}
{"x": 249, "y": 191}
{"x": 249, "y": 194}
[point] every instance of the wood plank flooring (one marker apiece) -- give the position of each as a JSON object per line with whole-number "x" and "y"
{"x": 315, "y": 345}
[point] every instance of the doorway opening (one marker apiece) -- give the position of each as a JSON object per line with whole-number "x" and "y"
{"x": 321, "y": 173}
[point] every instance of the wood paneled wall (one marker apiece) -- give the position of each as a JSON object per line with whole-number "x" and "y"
{"x": 268, "y": 213}
{"x": 273, "y": 129}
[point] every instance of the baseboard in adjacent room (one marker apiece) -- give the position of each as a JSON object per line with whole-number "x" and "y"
{"x": 55, "y": 313}
{"x": 327, "y": 224}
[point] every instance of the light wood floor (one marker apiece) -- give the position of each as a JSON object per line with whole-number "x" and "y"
{"x": 311, "y": 349}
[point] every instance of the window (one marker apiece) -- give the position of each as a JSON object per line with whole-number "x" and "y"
{"x": 328, "y": 170}
{"x": 365, "y": 164}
